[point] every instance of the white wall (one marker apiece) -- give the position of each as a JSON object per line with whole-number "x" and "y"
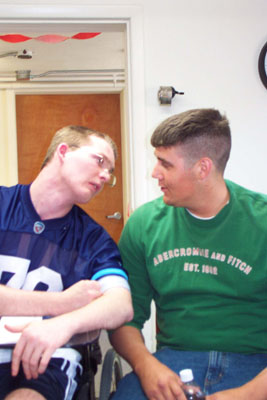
{"x": 209, "y": 49}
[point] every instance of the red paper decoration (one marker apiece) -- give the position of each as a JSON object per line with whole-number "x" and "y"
{"x": 17, "y": 38}
{"x": 14, "y": 38}
{"x": 85, "y": 35}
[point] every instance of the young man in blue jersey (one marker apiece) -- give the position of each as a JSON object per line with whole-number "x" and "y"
{"x": 57, "y": 262}
{"x": 199, "y": 252}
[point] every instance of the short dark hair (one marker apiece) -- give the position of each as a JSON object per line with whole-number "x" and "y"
{"x": 199, "y": 132}
{"x": 75, "y": 136}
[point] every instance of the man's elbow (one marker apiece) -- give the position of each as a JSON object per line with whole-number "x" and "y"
{"x": 129, "y": 313}
{"x": 124, "y": 309}
{"x": 125, "y": 315}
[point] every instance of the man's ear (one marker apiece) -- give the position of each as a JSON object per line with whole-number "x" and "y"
{"x": 204, "y": 166}
{"x": 62, "y": 150}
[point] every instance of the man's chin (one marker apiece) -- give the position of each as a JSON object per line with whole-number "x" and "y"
{"x": 86, "y": 198}
{"x": 167, "y": 201}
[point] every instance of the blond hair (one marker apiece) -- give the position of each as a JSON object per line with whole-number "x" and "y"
{"x": 75, "y": 136}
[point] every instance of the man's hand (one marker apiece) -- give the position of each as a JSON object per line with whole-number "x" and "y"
{"x": 37, "y": 343}
{"x": 231, "y": 394}
{"x": 159, "y": 382}
{"x": 256, "y": 389}
{"x": 79, "y": 295}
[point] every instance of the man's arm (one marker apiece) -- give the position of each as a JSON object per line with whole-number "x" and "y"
{"x": 157, "y": 380}
{"x": 256, "y": 389}
{"x": 40, "y": 339}
{"x": 16, "y": 302}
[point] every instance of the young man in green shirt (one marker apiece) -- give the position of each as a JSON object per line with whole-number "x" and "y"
{"x": 200, "y": 253}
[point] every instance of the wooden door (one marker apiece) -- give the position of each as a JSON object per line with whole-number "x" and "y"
{"x": 40, "y": 116}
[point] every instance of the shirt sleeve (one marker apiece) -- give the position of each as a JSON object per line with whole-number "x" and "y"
{"x": 108, "y": 270}
{"x": 101, "y": 256}
{"x": 112, "y": 282}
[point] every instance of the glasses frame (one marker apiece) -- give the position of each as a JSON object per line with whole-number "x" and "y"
{"x": 100, "y": 159}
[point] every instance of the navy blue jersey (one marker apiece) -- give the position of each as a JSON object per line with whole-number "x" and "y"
{"x": 51, "y": 255}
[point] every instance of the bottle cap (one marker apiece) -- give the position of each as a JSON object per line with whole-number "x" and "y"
{"x": 186, "y": 375}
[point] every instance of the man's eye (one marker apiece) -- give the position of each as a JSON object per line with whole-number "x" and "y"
{"x": 165, "y": 165}
{"x": 100, "y": 160}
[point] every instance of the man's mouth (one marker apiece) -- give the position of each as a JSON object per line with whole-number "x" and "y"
{"x": 95, "y": 186}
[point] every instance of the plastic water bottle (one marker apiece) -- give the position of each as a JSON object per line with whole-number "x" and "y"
{"x": 190, "y": 387}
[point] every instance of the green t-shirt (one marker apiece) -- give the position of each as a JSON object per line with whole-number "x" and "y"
{"x": 207, "y": 277}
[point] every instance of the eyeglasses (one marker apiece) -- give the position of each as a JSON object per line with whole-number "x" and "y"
{"x": 103, "y": 163}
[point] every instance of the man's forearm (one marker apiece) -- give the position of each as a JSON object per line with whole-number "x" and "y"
{"x": 18, "y": 302}
{"x": 129, "y": 343}
{"x": 39, "y": 339}
{"x": 109, "y": 311}
{"x": 256, "y": 389}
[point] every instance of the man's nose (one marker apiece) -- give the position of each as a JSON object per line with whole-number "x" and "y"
{"x": 105, "y": 175}
{"x": 156, "y": 172}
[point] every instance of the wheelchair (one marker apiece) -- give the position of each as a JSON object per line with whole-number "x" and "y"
{"x": 110, "y": 375}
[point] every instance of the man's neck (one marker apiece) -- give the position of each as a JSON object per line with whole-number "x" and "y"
{"x": 47, "y": 198}
{"x": 211, "y": 201}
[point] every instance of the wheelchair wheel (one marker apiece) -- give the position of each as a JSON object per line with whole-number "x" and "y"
{"x": 110, "y": 375}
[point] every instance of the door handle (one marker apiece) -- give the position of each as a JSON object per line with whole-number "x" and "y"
{"x": 116, "y": 215}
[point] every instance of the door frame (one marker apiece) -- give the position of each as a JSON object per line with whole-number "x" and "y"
{"x": 25, "y": 17}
